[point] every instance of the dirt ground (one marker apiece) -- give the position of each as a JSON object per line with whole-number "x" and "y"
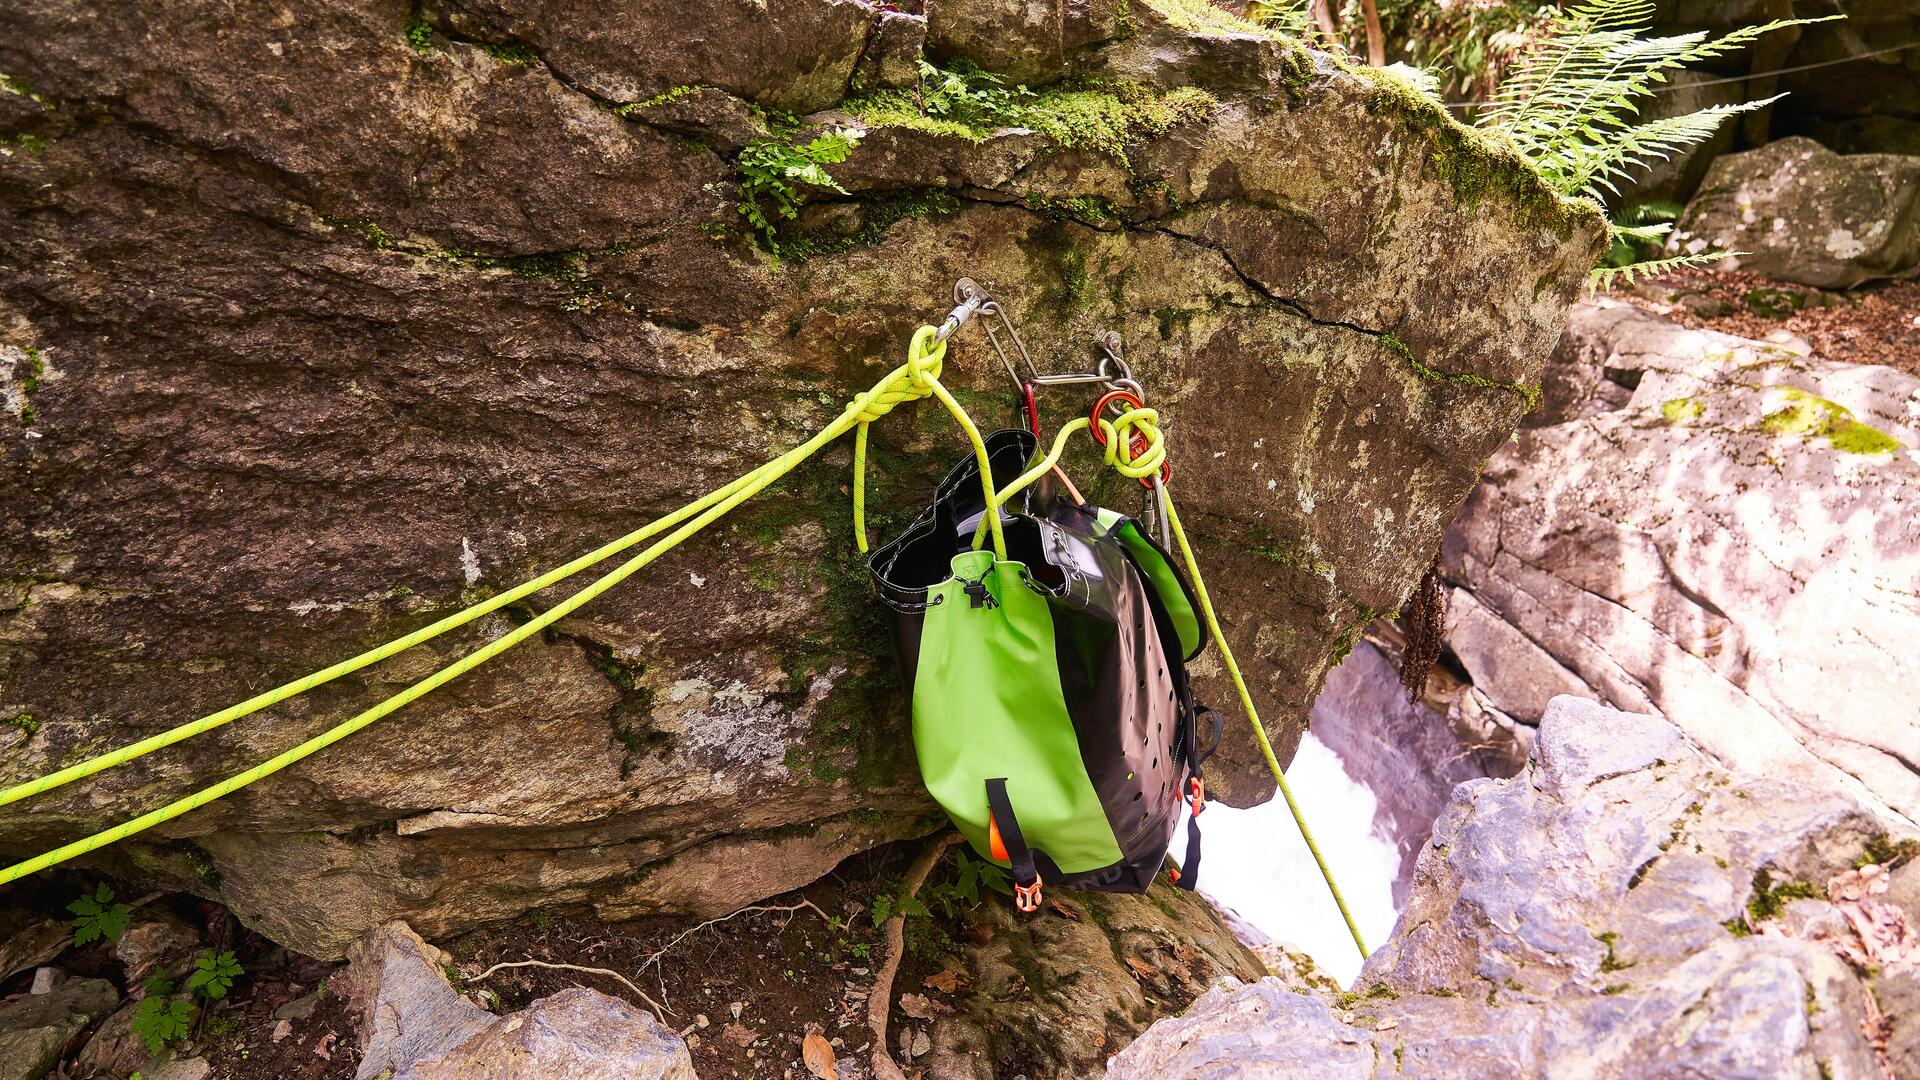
{"x": 1874, "y": 324}
{"x": 743, "y": 991}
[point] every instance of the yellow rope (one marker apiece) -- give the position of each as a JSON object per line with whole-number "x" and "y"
{"x": 919, "y": 377}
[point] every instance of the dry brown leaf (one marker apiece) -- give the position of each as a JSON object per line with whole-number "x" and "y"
{"x": 1070, "y": 909}
{"x": 738, "y": 1034}
{"x": 323, "y": 1046}
{"x": 920, "y": 1006}
{"x": 817, "y": 1054}
{"x": 1141, "y": 967}
{"x": 979, "y": 933}
{"x": 945, "y": 981}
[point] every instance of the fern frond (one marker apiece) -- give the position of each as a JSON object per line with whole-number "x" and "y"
{"x": 1654, "y": 233}
{"x": 1598, "y": 167}
{"x": 1602, "y": 278}
{"x": 1569, "y": 105}
{"x": 1647, "y": 213}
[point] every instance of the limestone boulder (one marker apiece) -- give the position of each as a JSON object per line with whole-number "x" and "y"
{"x": 36, "y": 1029}
{"x": 1617, "y": 910}
{"x": 315, "y": 333}
{"x": 1795, "y": 211}
{"x": 1730, "y": 543}
{"x": 412, "y": 1023}
{"x": 1027, "y": 42}
{"x": 406, "y": 1008}
{"x": 575, "y": 1033}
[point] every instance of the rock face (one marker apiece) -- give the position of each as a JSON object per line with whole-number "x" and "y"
{"x": 314, "y": 333}
{"x": 35, "y": 1030}
{"x": 1054, "y": 996}
{"x": 414, "y": 1026}
{"x": 1622, "y": 902}
{"x": 1409, "y": 754}
{"x": 1732, "y": 543}
{"x": 1801, "y": 213}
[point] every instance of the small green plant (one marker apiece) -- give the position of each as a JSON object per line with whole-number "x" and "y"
{"x": 25, "y": 722}
{"x": 161, "y": 1017}
{"x": 542, "y": 922}
{"x": 886, "y": 904}
{"x": 420, "y": 34}
{"x": 1639, "y": 231}
{"x": 213, "y": 974}
{"x": 967, "y": 95}
{"x": 97, "y": 917}
{"x": 964, "y": 891}
{"x": 769, "y": 168}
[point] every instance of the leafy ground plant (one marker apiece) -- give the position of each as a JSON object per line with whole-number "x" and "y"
{"x": 97, "y": 917}
{"x": 161, "y": 1018}
{"x": 213, "y": 974}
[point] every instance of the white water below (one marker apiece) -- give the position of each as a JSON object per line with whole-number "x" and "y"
{"x": 1255, "y": 863}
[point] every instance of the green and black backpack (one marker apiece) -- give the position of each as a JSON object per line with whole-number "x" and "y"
{"x": 1052, "y": 715}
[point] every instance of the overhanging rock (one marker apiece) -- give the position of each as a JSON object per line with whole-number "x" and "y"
{"x": 322, "y": 324}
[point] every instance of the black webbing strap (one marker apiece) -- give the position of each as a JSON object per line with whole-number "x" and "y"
{"x": 1189, "y": 875}
{"x": 1018, "y": 853}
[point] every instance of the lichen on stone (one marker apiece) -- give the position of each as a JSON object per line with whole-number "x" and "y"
{"x": 1811, "y": 416}
{"x": 1527, "y": 391}
{"x": 1681, "y": 409}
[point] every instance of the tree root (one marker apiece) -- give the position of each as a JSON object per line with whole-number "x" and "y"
{"x": 880, "y": 999}
{"x": 662, "y": 1010}
{"x": 803, "y": 905}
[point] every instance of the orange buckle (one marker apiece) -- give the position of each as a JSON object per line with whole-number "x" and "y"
{"x": 1173, "y": 874}
{"x": 1027, "y": 897}
{"x": 1197, "y": 794}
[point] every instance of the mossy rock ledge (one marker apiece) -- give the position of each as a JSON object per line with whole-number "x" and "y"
{"x": 341, "y": 315}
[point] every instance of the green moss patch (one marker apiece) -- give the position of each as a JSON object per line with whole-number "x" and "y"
{"x": 876, "y": 217}
{"x": 1475, "y": 165}
{"x": 964, "y": 102}
{"x": 664, "y": 98}
{"x": 1774, "y": 303}
{"x": 1810, "y": 416}
{"x": 1527, "y": 391}
{"x": 1769, "y": 900}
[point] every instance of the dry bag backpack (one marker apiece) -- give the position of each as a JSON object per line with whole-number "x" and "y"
{"x": 1052, "y": 715}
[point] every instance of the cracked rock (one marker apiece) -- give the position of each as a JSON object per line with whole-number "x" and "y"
{"x": 1569, "y": 921}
